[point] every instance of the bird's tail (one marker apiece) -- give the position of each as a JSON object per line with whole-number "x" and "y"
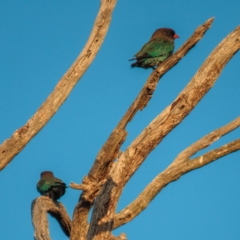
{"x": 132, "y": 59}
{"x": 135, "y": 64}
{"x": 138, "y": 63}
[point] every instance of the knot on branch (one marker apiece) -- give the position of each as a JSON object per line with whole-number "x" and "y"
{"x": 22, "y": 130}
{"x": 104, "y": 16}
{"x": 89, "y": 187}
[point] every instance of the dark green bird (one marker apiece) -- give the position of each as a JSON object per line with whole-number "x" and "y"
{"x": 50, "y": 186}
{"x": 156, "y": 50}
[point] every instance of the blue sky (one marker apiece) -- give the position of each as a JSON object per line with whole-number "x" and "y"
{"x": 40, "y": 40}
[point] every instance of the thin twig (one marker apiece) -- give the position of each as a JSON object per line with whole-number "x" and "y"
{"x": 207, "y": 140}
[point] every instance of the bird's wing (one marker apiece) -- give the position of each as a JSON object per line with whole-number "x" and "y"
{"x": 58, "y": 182}
{"x": 156, "y": 48}
{"x": 43, "y": 186}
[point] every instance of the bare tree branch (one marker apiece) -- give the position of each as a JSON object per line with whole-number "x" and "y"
{"x": 200, "y": 84}
{"x": 104, "y": 160}
{"x": 41, "y": 206}
{"x": 101, "y": 221}
{"x": 207, "y": 140}
{"x": 111, "y": 148}
{"x": 181, "y": 165}
{"x": 136, "y": 153}
{"x": 12, "y": 146}
{"x": 80, "y": 220}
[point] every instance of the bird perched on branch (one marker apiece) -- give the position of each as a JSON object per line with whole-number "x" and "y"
{"x": 50, "y": 186}
{"x": 156, "y": 50}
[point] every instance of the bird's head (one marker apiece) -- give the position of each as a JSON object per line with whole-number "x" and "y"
{"x": 47, "y": 174}
{"x": 166, "y": 33}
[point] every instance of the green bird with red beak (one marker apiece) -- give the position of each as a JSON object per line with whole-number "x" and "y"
{"x": 50, "y": 186}
{"x": 156, "y": 50}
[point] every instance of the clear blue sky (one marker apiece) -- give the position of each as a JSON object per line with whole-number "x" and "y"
{"x": 40, "y": 40}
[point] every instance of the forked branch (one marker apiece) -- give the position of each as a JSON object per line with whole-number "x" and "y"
{"x": 112, "y": 146}
{"x": 196, "y": 89}
{"x": 180, "y": 166}
{"x": 109, "y": 151}
{"x": 130, "y": 160}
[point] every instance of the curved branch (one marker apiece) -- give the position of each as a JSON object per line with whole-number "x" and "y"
{"x": 12, "y": 146}
{"x": 41, "y": 206}
{"x": 180, "y": 166}
{"x": 111, "y": 148}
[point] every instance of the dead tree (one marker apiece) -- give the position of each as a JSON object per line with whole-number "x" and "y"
{"x": 112, "y": 169}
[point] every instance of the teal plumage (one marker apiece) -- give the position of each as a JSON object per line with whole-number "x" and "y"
{"x": 50, "y": 186}
{"x": 156, "y": 50}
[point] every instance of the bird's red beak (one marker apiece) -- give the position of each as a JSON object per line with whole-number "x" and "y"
{"x": 175, "y": 36}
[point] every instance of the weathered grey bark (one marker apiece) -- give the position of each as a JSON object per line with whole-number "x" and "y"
{"x": 105, "y": 205}
{"x": 181, "y": 165}
{"x": 12, "y": 146}
{"x": 41, "y": 206}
